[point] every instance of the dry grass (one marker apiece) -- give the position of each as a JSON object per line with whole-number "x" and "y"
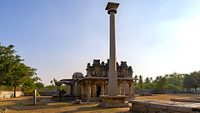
{"x": 66, "y": 108}
{"x": 24, "y": 105}
{"x": 167, "y": 96}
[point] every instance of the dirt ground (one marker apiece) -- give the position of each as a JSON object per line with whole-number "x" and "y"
{"x": 46, "y": 105}
{"x": 168, "y": 96}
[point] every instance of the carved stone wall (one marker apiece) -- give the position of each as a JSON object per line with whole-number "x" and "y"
{"x": 100, "y": 69}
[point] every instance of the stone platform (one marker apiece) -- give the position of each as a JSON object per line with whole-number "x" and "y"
{"x": 113, "y": 101}
{"x": 155, "y": 106}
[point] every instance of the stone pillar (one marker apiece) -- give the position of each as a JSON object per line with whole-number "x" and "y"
{"x": 88, "y": 93}
{"x": 106, "y": 89}
{"x": 68, "y": 90}
{"x": 82, "y": 90}
{"x": 71, "y": 90}
{"x": 112, "y": 73}
{"x": 112, "y": 99}
{"x": 102, "y": 90}
{"x": 130, "y": 89}
{"x": 94, "y": 90}
{"x": 133, "y": 90}
{"x": 120, "y": 89}
{"x": 35, "y": 97}
{"x": 75, "y": 89}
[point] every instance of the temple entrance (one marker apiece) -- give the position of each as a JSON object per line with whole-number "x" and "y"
{"x": 98, "y": 91}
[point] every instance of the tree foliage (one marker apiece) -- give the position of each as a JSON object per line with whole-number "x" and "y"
{"x": 160, "y": 83}
{"x": 39, "y": 85}
{"x": 13, "y": 72}
{"x": 192, "y": 81}
{"x": 140, "y": 82}
{"x": 173, "y": 82}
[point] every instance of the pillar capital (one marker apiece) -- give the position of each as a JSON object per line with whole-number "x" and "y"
{"x": 112, "y": 7}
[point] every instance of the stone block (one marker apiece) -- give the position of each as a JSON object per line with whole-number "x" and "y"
{"x": 113, "y": 101}
{"x": 142, "y": 106}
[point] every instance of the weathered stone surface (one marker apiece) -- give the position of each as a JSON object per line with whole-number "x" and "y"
{"x": 98, "y": 69}
{"x": 113, "y": 101}
{"x": 185, "y": 100}
{"x": 155, "y": 106}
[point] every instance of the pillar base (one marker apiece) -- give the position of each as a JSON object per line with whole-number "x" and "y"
{"x": 113, "y": 101}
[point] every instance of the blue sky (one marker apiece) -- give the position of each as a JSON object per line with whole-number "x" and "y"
{"x": 60, "y": 37}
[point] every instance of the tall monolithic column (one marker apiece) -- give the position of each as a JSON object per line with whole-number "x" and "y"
{"x": 112, "y": 73}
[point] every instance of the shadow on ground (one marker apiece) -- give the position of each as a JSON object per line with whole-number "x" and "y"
{"x": 96, "y": 109}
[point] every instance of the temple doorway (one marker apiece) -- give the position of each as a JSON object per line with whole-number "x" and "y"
{"x": 98, "y": 91}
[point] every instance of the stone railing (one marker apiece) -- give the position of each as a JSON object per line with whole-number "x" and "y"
{"x": 155, "y": 106}
{"x": 10, "y": 94}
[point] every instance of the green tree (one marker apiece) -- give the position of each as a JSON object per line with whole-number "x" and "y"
{"x": 196, "y": 79}
{"x": 147, "y": 80}
{"x": 160, "y": 83}
{"x": 140, "y": 82}
{"x": 7, "y": 59}
{"x": 51, "y": 87}
{"x": 148, "y": 84}
{"x": 13, "y": 71}
{"x": 39, "y": 85}
{"x": 192, "y": 80}
{"x": 29, "y": 84}
{"x": 135, "y": 84}
{"x": 174, "y": 81}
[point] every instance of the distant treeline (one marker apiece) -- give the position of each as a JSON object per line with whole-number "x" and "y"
{"x": 175, "y": 81}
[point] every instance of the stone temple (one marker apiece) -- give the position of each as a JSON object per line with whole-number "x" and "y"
{"x": 95, "y": 82}
{"x": 109, "y": 82}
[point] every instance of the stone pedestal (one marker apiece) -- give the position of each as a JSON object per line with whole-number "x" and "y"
{"x": 113, "y": 101}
